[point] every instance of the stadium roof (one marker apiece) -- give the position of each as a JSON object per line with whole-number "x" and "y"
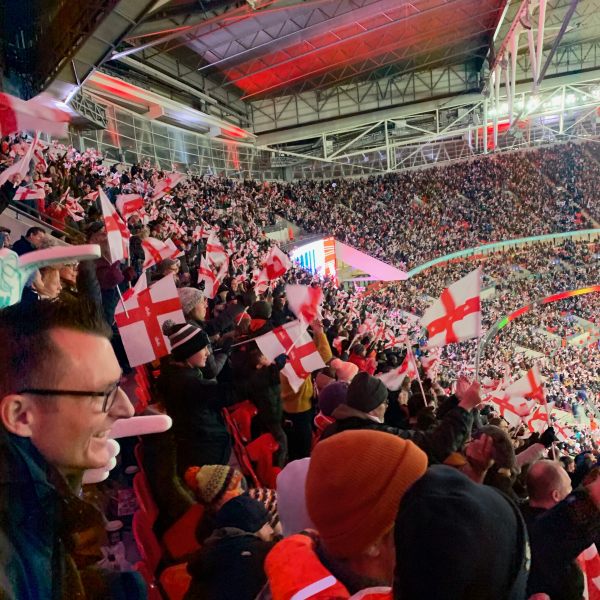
{"x": 312, "y": 78}
{"x": 291, "y": 47}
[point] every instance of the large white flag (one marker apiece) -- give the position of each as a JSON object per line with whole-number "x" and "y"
{"x": 140, "y": 320}
{"x": 456, "y": 315}
{"x": 293, "y": 340}
{"x": 116, "y": 231}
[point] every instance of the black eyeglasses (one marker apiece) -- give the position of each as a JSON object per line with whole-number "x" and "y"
{"x": 108, "y": 395}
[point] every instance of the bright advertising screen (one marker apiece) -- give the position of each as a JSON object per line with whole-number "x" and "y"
{"x": 317, "y": 257}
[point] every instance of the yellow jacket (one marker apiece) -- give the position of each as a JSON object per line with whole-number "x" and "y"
{"x": 301, "y": 401}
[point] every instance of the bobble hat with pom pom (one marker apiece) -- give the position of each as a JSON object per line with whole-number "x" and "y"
{"x": 186, "y": 339}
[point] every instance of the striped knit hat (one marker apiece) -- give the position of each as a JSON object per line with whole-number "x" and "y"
{"x": 186, "y": 339}
{"x": 209, "y": 482}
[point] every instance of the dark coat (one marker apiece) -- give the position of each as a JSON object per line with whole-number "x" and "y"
{"x": 229, "y": 566}
{"x": 449, "y": 436}
{"x": 195, "y": 405}
{"x": 45, "y": 531}
{"x": 558, "y": 537}
{"x": 23, "y": 246}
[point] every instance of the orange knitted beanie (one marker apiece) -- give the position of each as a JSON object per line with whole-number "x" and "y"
{"x": 354, "y": 485}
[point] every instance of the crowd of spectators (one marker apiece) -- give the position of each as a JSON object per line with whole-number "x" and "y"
{"x": 382, "y": 493}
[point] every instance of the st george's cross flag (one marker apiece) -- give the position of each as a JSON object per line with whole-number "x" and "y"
{"x": 140, "y": 320}
{"x": 210, "y": 278}
{"x": 304, "y": 301}
{"x": 538, "y": 420}
{"x": 393, "y": 379}
{"x": 27, "y": 193}
{"x": 456, "y": 315}
{"x": 166, "y": 185}
{"x": 276, "y": 263}
{"x": 530, "y": 386}
{"x": 129, "y": 205}
{"x": 156, "y": 250}
{"x": 37, "y": 114}
{"x": 21, "y": 166}
{"x": 117, "y": 233}
{"x": 589, "y": 562}
{"x": 215, "y": 251}
{"x": 293, "y": 340}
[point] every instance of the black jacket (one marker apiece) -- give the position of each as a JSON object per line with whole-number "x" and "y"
{"x": 23, "y": 246}
{"x": 229, "y": 566}
{"x": 558, "y": 537}
{"x": 195, "y": 405}
{"x": 449, "y": 436}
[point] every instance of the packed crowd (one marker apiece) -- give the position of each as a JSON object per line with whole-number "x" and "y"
{"x": 377, "y": 485}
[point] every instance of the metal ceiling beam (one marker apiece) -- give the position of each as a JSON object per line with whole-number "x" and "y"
{"x": 316, "y": 130}
{"x": 557, "y": 40}
{"x": 404, "y": 20}
{"x": 352, "y": 71}
{"x": 342, "y": 16}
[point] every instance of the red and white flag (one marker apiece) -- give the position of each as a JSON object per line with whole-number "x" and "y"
{"x": 293, "y": 340}
{"x": 37, "y": 114}
{"x": 456, "y": 315}
{"x": 140, "y": 320}
{"x": 393, "y": 379}
{"x": 530, "y": 386}
{"x": 211, "y": 280}
{"x": 505, "y": 403}
{"x": 19, "y": 167}
{"x": 166, "y": 185}
{"x": 215, "y": 251}
{"x": 156, "y": 251}
{"x": 202, "y": 231}
{"x": 589, "y": 562}
{"x": 276, "y": 263}
{"x": 304, "y": 301}
{"x": 538, "y": 421}
{"x": 129, "y": 205}
{"x": 392, "y": 340}
{"x": 27, "y": 193}
{"x": 431, "y": 362}
{"x": 116, "y": 231}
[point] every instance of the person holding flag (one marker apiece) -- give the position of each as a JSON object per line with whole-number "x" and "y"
{"x": 367, "y": 402}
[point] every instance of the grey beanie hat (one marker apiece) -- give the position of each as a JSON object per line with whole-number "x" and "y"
{"x": 189, "y": 297}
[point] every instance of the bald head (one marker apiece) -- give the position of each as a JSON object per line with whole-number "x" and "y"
{"x": 547, "y": 483}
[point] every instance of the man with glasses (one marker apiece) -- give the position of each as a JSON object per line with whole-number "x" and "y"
{"x": 59, "y": 398}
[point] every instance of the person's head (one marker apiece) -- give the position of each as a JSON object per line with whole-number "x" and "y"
{"x": 368, "y": 394}
{"x": 354, "y": 485}
{"x": 547, "y": 484}
{"x": 260, "y": 310}
{"x": 68, "y": 273}
{"x": 36, "y": 236}
{"x": 48, "y": 284}
{"x": 246, "y": 514}
{"x": 332, "y": 396}
{"x": 344, "y": 371}
{"x": 193, "y": 303}
{"x": 168, "y": 266}
{"x": 503, "y": 451}
{"x": 189, "y": 344}
{"x": 59, "y": 382}
{"x": 291, "y": 500}
{"x": 458, "y": 539}
{"x": 96, "y": 233}
{"x": 568, "y": 463}
{"x": 215, "y": 484}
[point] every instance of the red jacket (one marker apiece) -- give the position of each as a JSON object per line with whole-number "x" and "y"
{"x": 293, "y": 568}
